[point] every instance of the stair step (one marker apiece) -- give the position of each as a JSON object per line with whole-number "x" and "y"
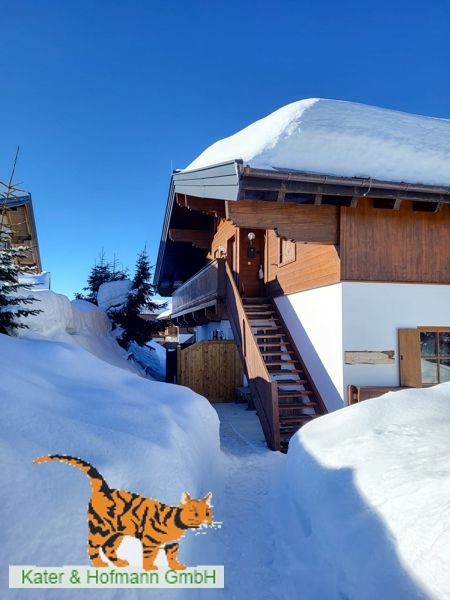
{"x": 273, "y": 363}
{"x": 275, "y": 353}
{"x": 271, "y": 335}
{"x": 283, "y": 371}
{"x": 292, "y": 424}
{"x": 296, "y": 406}
{"x": 294, "y": 393}
{"x": 273, "y": 344}
{"x": 267, "y": 320}
{"x": 290, "y": 381}
{"x": 257, "y": 300}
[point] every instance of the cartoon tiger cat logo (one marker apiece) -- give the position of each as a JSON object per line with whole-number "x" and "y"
{"x": 113, "y": 514}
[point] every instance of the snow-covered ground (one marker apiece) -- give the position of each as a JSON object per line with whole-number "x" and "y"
{"x": 340, "y": 138}
{"x": 367, "y": 500}
{"x": 72, "y": 392}
{"x": 358, "y": 509}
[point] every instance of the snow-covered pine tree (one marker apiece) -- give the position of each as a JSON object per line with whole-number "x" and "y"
{"x": 136, "y": 329}
{"x": 101, "y": 272}
{"x": 13, "y": 304}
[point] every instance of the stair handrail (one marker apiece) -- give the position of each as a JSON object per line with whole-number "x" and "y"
{"x": 264, "y": 389}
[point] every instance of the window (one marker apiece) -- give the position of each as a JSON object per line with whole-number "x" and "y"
{"x": 286, "y": 251}
{"x": 434, "y": 356}
{"x": 424, "y": 356}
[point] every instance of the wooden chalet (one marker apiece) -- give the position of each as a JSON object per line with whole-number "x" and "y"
{"x": 18, "y": 217}
{"x": 334, "y": 289}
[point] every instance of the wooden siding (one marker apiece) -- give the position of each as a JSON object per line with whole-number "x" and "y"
{"x": 297, "y": 222}
{"x": 224, "y": 231}
{"x": 212, "y": 369}
{"x": 395, "y": 245}
{"x": 315, "y": 265}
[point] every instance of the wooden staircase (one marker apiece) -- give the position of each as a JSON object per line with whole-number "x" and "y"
{"x": 298, "y": 401}
{"x": 283, "y": 393}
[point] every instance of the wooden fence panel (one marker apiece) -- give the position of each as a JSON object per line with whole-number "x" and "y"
{"x": 212, "y": 369}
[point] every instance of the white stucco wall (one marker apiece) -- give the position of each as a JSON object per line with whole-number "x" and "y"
{"x": 314, "y": 318}
{"x": 205, "y": 332}
{"x": 358, "y": 316}
{"x": 374, "y": 312}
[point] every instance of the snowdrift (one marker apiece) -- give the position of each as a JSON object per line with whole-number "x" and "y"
{"x": 340, "y": 138}
{"x": 57, "y": 397}
{"x": 368, "y": 487}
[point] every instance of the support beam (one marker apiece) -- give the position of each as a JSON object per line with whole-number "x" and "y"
{"x": 298, "y": 222}
{"x": 198, "y": 238}
{"x": 199, "y": 316}
{"x": 216, "y": 208}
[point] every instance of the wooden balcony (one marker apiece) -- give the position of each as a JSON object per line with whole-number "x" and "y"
{"x": 202, "y": 297}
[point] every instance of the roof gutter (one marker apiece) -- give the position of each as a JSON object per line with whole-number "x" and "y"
{"x": 320, "y": 179}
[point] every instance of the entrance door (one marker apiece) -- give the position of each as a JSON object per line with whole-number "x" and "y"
{"x": 251, "y": 261}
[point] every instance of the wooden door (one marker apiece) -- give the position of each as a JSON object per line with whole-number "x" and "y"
{"x": 251, "y": 258}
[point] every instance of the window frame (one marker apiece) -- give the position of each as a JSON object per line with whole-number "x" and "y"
{"x": 281, "y": 262}
{"x": 437, "y": 356}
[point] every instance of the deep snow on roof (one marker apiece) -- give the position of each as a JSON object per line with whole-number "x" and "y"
{"x": 341, "y": 138}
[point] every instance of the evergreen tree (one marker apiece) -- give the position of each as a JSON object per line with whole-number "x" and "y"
{"x": 136, "y": 329}
{"x": 101, "y": 272}
{"x": 12, "y": 303}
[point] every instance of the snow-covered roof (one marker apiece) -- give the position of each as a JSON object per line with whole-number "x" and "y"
{"x": 343, "y": 139}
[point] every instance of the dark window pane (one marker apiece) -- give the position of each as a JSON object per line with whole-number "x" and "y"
{"x": 444, "y": 343}
{"x": 444, "y": 371}
{"x": 427, "y": 343}
{"x": 429, "y": 370}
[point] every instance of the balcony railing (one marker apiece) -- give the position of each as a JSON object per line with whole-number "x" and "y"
{"x": 205, "y": 289}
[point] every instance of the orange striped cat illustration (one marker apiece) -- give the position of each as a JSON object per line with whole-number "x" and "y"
{"x": 113, "y": 514}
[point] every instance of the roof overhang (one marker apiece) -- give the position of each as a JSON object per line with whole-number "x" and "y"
{"x": 234, "y": 181}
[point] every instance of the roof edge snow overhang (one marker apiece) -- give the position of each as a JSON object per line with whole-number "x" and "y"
{"x": 230, "y": 180}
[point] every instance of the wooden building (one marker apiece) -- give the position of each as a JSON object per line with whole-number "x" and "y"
{"x": 18, "y": 218}
{"x": 328, "y": 285}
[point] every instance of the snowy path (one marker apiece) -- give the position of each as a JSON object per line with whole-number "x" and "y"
{"x": 246, "y": 544}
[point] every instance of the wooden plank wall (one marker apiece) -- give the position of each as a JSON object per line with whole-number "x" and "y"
{"x": 395, "y": 245}
{"x": 315, "y": 265}
{"x": 224, "y": 231}
{"x": 212, "y": 369}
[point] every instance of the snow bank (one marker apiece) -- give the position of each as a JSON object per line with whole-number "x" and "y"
{"x": 59, "y": 316}
{"x": 61, "y": 392}
{"x": 39, "y": 281}
{"x": 151, "y": 357}
{"x": 148, "y": 437}
{"x": 369, "y": 487}
{"x": 113, "y": 294}
{"x": 341, "y": 138}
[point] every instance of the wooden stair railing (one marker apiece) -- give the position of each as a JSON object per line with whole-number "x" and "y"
{"x": 264, "y": 390}
{"x": 284, "y": 394}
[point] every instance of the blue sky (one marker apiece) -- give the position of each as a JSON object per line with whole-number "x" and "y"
{"x": 103, "y": 96}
